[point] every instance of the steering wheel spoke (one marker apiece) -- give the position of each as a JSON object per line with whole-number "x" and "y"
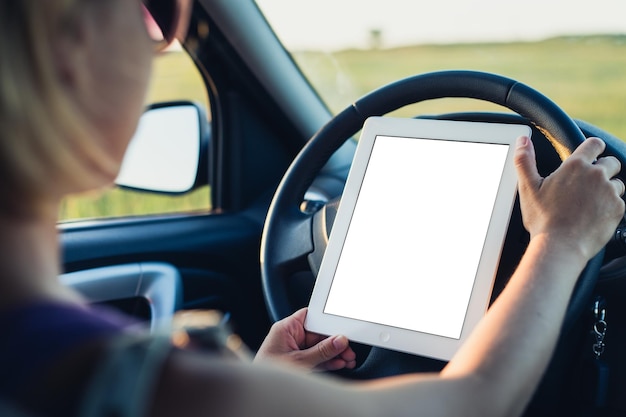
{"x": 295, "y": 243}
{"x": 322, "y": 224}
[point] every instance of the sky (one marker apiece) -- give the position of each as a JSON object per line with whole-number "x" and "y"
{"x": 339, "y": 24}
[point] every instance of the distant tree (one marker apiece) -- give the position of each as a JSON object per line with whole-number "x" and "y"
{"x": 376, "y": 38}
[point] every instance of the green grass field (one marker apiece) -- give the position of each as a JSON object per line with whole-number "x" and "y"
{"x": 586, "y": 76}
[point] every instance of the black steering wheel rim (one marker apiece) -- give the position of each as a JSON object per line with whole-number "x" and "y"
{"x": 285, "y": 218}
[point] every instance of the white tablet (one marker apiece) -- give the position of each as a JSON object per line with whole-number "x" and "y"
{"x": 415, "y": 246}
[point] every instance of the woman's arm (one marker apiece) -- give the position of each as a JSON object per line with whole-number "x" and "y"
{"x": 570, "y": 216}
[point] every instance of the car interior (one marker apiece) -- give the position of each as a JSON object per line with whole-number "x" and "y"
{"x": 267, "y": 155}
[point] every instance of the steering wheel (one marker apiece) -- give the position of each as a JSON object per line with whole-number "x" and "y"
{"x": 294, "y": 238}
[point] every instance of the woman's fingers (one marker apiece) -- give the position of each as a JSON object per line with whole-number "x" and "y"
{"x": 619, "y": 186}
{"x": 590, "y": 149}
{"x": 610, "y": 164}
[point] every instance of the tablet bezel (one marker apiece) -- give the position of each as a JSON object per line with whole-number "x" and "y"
{"x": 395, "y": 338}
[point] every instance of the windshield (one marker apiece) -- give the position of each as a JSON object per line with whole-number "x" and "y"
{"x": 572, "y": 51}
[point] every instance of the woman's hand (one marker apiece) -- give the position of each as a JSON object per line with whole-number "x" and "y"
{"x": 288, "y": 342}
{"x": 578, "y": 205}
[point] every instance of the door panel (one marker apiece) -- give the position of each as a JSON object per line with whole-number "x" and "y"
{"x": 212, "y": 259}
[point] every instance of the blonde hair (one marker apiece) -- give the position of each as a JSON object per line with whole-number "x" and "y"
{"x": 47, "y": 148}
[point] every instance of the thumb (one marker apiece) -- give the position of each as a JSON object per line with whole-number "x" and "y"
{"x": 324, "y": 351}
{"x": 529, "y": 178}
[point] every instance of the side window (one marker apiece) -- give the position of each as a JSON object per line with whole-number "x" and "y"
{"x": 175, "y": 77}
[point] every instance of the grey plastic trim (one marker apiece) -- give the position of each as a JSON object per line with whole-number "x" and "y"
{"x": 159, "y": 283}
{"x": 271, "y": 63}
{"x": 249, "y": 33}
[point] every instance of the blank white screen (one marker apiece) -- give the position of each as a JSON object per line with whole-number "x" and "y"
{"x": 415, "y": 239}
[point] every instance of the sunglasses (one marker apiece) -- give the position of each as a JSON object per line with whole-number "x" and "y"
{"x": 166, "y": 20}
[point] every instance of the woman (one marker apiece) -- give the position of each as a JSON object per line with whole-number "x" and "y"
{"x": 56, "y": 56}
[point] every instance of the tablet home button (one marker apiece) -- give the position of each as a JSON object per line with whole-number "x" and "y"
{"x": 384, "y": 336}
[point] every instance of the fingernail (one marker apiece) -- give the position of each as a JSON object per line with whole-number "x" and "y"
{"x": 340, "y": 342}
{"x": 522, "y": 141}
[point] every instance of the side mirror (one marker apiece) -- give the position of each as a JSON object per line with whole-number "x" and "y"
{"x": 164, "y": 155}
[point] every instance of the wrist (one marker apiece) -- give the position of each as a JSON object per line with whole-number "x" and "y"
{"x": 568, "y": 250}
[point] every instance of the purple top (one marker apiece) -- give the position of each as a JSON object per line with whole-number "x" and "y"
{"x": 35, "y": 337}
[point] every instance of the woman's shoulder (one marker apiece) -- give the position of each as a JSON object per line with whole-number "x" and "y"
{"x": 46, "y": 329}
{"x": 49, "y": 345}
